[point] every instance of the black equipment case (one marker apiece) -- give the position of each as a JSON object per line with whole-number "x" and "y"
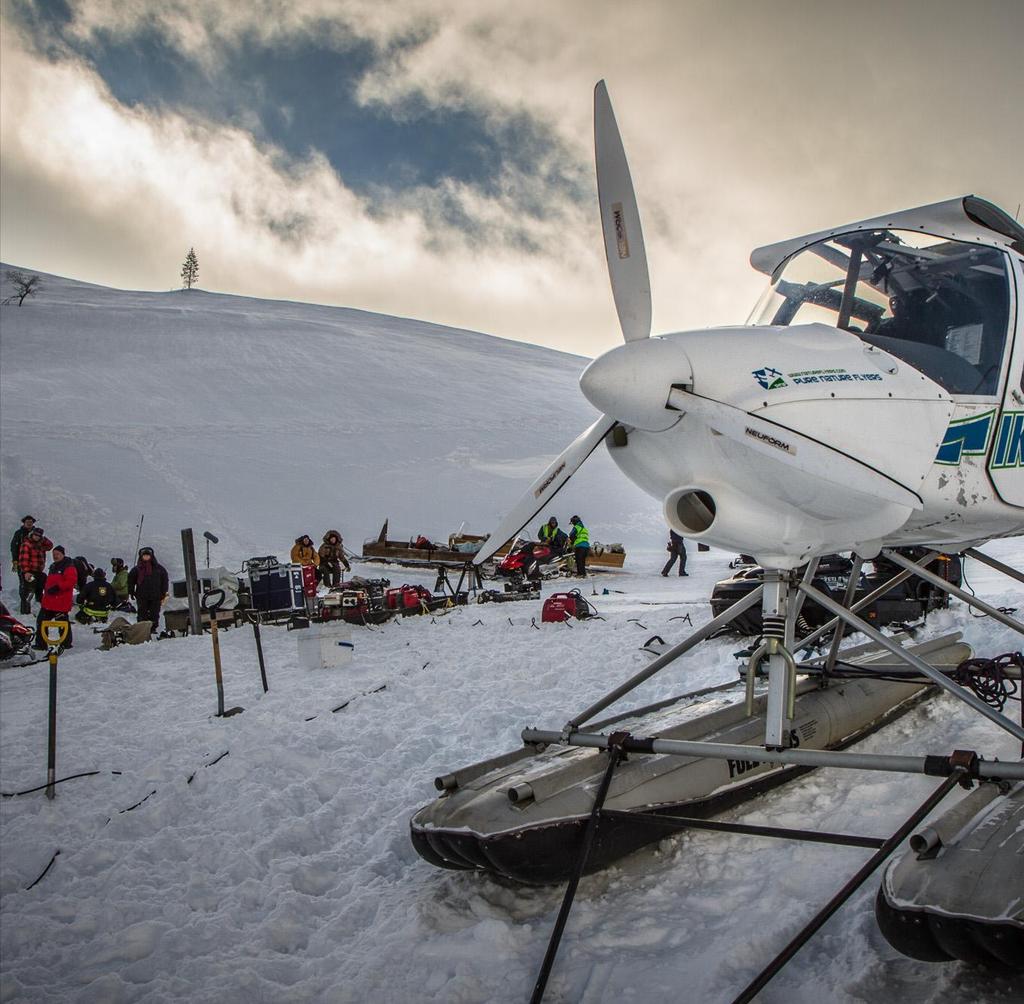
{"x": 275, "y": 587}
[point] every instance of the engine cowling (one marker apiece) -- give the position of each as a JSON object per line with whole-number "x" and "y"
{"x": 778, "y": 534}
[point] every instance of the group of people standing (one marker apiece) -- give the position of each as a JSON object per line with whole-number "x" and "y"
{"x": 68, "y": 581}
{"x": 577, "y": 540}
{"x": 328, "y": 559}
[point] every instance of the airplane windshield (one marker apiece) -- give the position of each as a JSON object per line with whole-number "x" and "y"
{"x": 942, "y": 306}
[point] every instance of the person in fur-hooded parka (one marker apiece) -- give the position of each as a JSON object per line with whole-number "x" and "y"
{"x": 304, "y": 553}
{"x": 332, "y": 558}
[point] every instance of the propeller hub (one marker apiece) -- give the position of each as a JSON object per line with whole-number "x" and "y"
{"x": 632, "y": 382}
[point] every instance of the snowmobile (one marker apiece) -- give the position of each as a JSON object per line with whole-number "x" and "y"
{"x": 904, "y": 602}
{"x": 15, "y": 637}
{"x": 532, "y": 560}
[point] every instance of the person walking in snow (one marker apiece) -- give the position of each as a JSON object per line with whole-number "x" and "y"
{"x": 332, "y": 558}
{"x": 147, "y": 584}
{"x": 31, "y": 562}
{"x": 58, "y": 596}
{"x": 676, "y": 549}
{"x": 579, "y": 540}
{"x": 304, "y": 553}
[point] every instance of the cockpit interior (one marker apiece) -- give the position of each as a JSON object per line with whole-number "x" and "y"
{"x": 941, "y": 306}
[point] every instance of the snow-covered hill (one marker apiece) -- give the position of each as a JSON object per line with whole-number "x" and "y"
{"x": 260, "y": 420}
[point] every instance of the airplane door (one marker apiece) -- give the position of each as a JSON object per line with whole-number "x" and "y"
{"x": 1006, "y": 460}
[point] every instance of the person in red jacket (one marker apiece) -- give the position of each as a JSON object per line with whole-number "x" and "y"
{"x": 58, "y": 596}
{"x": 31, "y": 562}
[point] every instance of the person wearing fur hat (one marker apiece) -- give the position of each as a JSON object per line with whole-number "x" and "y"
{"x": 304, "y": 553}
{"x": 58, "y": 596}
{"x": 147, "y": 585}
{"x": 332, "y": 558}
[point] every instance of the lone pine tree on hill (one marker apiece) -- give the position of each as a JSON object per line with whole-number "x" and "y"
{"x": 190, "y": 270}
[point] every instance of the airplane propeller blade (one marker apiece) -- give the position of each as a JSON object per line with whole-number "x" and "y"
{"x": 793, "y": 448}
{"x": 546, "y": 487}
{"x": 620, "y": 220}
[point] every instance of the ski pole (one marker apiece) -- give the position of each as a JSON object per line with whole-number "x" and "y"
{"x": 138, "y": 539}
{"x": 54, "y": 632}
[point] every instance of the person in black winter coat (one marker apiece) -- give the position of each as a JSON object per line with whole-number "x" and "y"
{"x": 147, "y": 585}
{"x": 98, "y": 595}
{"x": 84, "y": 568}
{"x": 676, "y": 549}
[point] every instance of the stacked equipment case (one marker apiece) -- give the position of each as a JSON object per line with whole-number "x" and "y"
{"x": 275, "y": 588}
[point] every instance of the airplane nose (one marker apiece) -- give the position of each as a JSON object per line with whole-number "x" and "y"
{"x": 632, "y": 382}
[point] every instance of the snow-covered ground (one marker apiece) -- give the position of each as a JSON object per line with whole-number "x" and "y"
{"x": 283, "y": 870}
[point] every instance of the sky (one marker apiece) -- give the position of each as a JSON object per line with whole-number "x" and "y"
{"x": 434, "y": 158}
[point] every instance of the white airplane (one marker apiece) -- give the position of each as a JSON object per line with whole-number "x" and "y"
{"x": 875, "y": 397}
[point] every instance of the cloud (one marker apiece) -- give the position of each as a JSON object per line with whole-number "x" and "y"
{"x": 263, "y": 223}
{"x": 744, "y": 123}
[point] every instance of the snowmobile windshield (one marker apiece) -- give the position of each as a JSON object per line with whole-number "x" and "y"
{"x": 942, "y": 306}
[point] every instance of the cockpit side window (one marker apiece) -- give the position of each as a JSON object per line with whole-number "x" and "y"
{"x": 942, "y": 306}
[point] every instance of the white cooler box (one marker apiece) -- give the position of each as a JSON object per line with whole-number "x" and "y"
{"x": 325, "y": 646}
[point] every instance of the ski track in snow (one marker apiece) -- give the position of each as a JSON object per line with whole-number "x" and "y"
{"x": 284, "y": 871}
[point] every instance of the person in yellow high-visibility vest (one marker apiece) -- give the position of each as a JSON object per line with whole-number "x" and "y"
{"x": 579, "y": 538}
{"x": 550, "y": 534}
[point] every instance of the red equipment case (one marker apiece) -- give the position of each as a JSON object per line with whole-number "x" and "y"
{"x": 407, "y": 598}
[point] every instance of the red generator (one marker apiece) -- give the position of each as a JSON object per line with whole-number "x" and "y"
{"x": 408, "y": 599}
{"x": 561, "y": 606}
{"x": 355, "y": 606}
